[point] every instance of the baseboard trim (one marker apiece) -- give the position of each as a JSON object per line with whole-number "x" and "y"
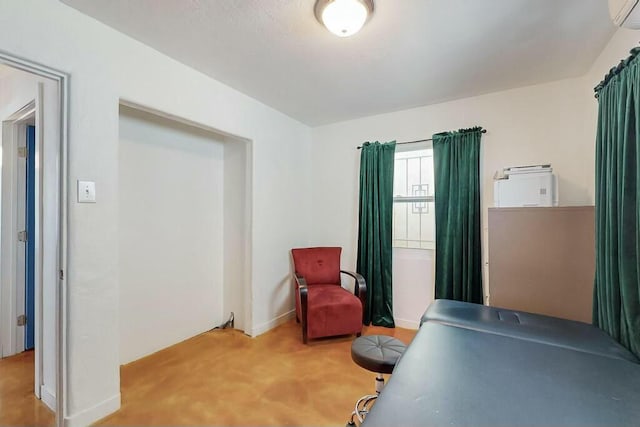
{"x": 48, "y": 397}
{"x": 94, "y": 413}
{"x": 267, "y": 326}
{"x": 407, "y": 324}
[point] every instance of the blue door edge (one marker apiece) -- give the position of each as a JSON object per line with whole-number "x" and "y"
{"x": 29, "y": 335}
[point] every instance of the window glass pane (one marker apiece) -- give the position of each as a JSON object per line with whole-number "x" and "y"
{"x": 414, "y": 221}
{"x": 428, "y": 232}
{"x": 426, "y": 169}
{"x": 413, "y": 176}
{"x": 430, "y": 177}
{"x": 400, "y": 178}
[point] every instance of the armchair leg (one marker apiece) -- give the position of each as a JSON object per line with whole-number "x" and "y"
{"x": 304, "y": 335}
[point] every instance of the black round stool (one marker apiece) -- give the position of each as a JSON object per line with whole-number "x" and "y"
{"x": 379, "y": 354}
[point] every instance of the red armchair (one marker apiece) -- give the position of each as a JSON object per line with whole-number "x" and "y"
{"x": 323, "y": 306}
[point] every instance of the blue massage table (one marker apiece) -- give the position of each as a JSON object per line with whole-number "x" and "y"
{"x": 471, "y": 365}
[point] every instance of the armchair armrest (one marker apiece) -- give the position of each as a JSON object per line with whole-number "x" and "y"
{"x": 360, "y": 288}
{"x": 303, "y": 290}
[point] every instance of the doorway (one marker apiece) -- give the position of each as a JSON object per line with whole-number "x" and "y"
{"x": 22, "y": 200}
{"x": 33, "y": 114}
{"x": 17, "y": 285}
{"x": 29, "y": 230}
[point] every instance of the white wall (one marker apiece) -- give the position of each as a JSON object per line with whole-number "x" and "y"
{"x": 105, "y": 66}
{"x": 171, "y": 248}
{"x": 236, "y": 209}
{"x": 17, "y": 89}
{"x": 413, "y": 285}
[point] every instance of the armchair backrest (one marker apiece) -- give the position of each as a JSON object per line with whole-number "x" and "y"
{"x": 318, "y": 265}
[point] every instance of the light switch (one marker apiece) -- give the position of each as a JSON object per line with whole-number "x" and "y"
{"x": 86, "y": 192}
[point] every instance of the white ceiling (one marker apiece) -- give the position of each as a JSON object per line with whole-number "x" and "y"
{"x": 411, "y": 53}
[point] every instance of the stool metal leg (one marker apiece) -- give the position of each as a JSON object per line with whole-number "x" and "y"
{"x": 379, "y": 383}
{"x": 363, "y": 405}
{"x": 362, "y": 408}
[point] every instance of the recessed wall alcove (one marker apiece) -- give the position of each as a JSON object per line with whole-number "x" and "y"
{"x": 184, "y": 236}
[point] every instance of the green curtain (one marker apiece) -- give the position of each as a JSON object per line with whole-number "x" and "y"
{"x": 375, "y": 230}
{"x": 616, "y": 299}
{"x": 456, "y": 162}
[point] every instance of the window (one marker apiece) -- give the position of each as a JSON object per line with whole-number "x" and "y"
{"x": 413, "y": 203}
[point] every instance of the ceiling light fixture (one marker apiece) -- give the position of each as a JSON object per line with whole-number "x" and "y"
{"x": 343, "y": 18}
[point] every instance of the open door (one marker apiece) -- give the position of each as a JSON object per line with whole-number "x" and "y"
{"x": 29, "y": 295}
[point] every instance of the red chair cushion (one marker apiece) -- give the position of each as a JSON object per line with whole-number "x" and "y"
{"x": 318, "y": 265}
{"x": 332, "y": 310}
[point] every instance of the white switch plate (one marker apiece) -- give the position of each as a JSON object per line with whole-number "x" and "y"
{"x": 86, "y": 192}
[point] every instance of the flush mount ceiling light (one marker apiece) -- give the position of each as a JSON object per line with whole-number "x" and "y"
{"x": 343, "y": 18}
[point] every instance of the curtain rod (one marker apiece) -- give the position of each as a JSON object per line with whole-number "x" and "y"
{"x": 616, "y": 70}
{"x": 419, "y": 140}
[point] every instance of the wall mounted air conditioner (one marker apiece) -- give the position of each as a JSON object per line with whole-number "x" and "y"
{"x": 625, "y": 13}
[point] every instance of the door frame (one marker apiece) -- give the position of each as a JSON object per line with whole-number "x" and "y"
{"x": 62, "y": 80}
